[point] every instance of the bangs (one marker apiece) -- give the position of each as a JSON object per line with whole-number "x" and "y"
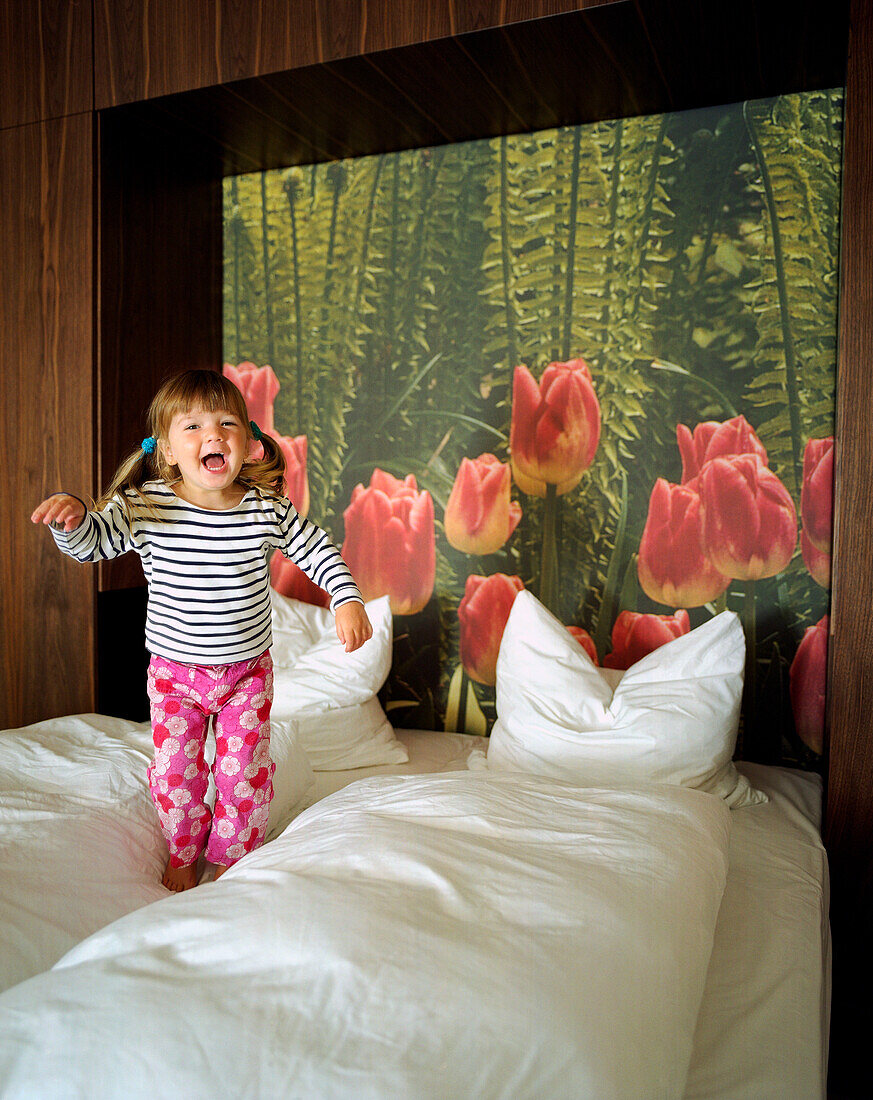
{"x": 196, "y": 389}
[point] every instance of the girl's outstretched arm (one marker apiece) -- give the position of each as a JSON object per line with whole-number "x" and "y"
{"x": 61, "y": 511}
{"x": 83, "y": 535}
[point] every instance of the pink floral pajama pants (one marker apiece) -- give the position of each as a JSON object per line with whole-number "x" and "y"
{"x": 182, "y": 699}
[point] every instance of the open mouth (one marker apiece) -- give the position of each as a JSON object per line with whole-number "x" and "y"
{"x": 215, "y": 462}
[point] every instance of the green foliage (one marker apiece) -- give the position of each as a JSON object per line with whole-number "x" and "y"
{"x": 794, "y": 300}
{"x": 395, "y": 295}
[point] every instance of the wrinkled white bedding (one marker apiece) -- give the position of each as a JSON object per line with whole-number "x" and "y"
{"x": 79, "y": 839}
{"x": 448, "y": 935}
{"x": 763, "y": 1025}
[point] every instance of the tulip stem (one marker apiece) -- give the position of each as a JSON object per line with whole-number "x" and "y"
{"x": 751, "y": 687}
{"x": 791, "y": 386}
{"x": 506, "y": 256}
{"x": 462, "y": 703}
{"x": 236, "y": 228}
{"x": 549, "y": 564}
{"x": 268, "y": 292}
{"x": 567, "y": 341}
{"x": 300, "y": 421}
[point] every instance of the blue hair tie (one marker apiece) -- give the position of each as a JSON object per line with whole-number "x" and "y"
{"x": 256, "y": 431}
{"x": 149, "y": 444}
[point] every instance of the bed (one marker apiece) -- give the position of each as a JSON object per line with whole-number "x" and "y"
{"x": 431, "y": 924}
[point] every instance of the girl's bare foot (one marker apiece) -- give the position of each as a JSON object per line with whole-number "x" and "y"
{"x": 219, "y": 871}
{"x": 180, "y": 878}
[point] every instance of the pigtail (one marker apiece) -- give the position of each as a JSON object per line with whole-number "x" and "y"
{"x": 126, "y": 486}
{"x": 268, "y": 473}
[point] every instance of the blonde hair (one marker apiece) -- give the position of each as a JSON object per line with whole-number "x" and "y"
{"x": 193, "y": 389}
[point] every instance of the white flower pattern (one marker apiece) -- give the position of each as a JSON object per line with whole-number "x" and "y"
{"x": 234, "y": 695}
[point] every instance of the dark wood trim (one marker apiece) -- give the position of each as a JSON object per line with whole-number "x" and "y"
{"x": 47, "y": 635}
{"x": 849, "y": 813}
{"x": 608, "y": 61}
{"x": 163, "y": 47}
{"x": 122, "y": 665}
{"x": 160, "y": 257}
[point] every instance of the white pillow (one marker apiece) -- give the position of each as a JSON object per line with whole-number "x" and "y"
{"x": 293, "y": 777}
{"x": 327, "y": 696}
{"x": 346, "y": 737}
{"x": 672, "y": 717}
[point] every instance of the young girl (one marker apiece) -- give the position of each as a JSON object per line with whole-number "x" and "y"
{"x": 205, "y": 517}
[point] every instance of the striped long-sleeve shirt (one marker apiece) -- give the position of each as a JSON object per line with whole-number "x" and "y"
{"x": 208, "y": 571}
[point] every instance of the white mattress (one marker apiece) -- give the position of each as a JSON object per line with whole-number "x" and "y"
{"x": 763, "y": 1025}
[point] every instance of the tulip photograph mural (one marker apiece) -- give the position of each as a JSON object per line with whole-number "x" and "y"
{"x": 595, "y": 362}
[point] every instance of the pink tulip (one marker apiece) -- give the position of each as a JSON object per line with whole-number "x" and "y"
{"x": 555, "y": 426}
{"x": 817, "y": 492}
{"x": 818, "y": 564}
{"x": 749, "y": 520}
{"x": 259, "y": 386}
{"x": 289, "y": 580}
{"x": 294, "y": 448}
{"x": 480, "y": 517}
{"x": 807, "y": 682}
{"x": 672, "y": 567}
{"x": 635, "y": 634}
{"x": 390, "y": 544}
{"x": 714, "y": 439}
{"x": 586, "y": 641}
{"x": 483, "y": 614}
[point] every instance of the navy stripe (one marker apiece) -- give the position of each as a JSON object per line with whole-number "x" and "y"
{"x": 208, "y": 572}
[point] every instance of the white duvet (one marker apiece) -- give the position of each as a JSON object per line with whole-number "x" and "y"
{"x": 80, "y": 842}
{"x": 458, "y": 935}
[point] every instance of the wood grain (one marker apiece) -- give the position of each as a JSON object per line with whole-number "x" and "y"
{"x": 45, "y": 60}
{"x": 605, "y": 62}
{"x": 162, "y": 47}
{"x": 47, "y": 635}
{"x": 849, "y": 813}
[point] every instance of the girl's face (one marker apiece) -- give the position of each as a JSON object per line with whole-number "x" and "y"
{"x": 209, "y": 448}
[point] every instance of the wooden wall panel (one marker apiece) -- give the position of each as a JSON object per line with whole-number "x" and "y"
{"x": 849, "y": 813}
{"x": 160, "y": 256}
{"x": 610, "y": 61}
{"x": 45, "y": 60}
{"x": 47, "y": 635}
{"x": 162, "y": 47}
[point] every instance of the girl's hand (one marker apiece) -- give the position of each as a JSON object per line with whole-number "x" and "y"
{"x": 353, "y": 628}
{"x": 62, "y": 511}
